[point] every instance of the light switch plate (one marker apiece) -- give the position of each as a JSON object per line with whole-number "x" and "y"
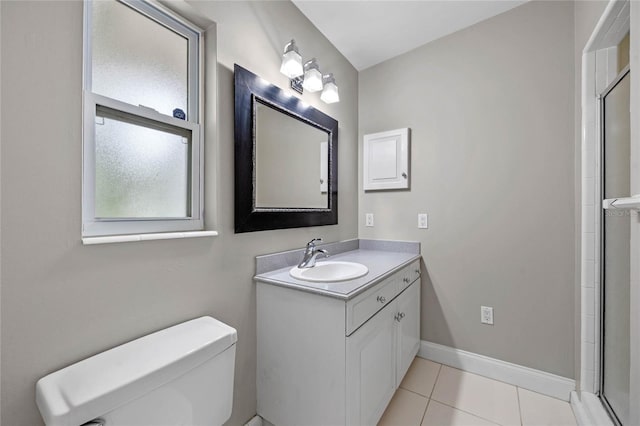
{"x": 423, "y": 221}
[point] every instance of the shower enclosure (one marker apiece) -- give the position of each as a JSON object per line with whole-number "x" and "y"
{"x": 616, "y": 222}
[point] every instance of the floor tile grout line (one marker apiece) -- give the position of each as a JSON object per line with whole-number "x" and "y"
{"x": 563, "y": 403}
{"x": 413, "y": 392}
{"x": 484, "y": 377}
{"x": 514, "y": 387}
{"x": 432, "y": 387}
{"x": 435, "y": 382}
{"x": 491, "y": 378}
{"x": 428, "y": 398}
{"x": 425, "y": 412}
{"x": 544, "y": 395}
{"x": 431, "y": 398}
{"x": 467, "y": 412}
{"x": 519, "y": 405}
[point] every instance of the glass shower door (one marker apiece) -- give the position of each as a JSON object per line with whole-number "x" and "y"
{"x": 616, "y": 235}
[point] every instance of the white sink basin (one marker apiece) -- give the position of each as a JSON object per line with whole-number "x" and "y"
{"x": 330, "y": 271}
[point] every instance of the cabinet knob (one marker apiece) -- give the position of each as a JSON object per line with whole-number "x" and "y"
{"x": 418, "y": 272}
{"x": 406, "y": 280}
{"x": 399, "y": 316}
{"x": 381, "y": 299}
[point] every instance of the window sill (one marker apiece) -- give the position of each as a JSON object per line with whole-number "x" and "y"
{"x": 146, "y": 237}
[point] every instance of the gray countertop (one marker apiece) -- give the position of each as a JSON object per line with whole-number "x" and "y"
{"x": 381, "y": 263}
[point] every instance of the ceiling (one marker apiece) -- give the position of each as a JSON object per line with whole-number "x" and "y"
{"x": 368, "y": 32}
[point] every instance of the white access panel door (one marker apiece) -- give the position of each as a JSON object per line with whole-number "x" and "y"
{"x": 408, "y": 319}
{"x": 386, "y": 160}
{"x": 371, "y": 368}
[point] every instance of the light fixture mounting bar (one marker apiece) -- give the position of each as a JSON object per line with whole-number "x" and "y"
{"x": 296, "y": 84}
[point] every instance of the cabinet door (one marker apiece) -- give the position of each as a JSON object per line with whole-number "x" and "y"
{"x": 371, "y": 368}
{"x": 386, "y": 160}
{"x": 407, "y": 318}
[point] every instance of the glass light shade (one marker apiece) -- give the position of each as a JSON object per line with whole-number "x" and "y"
{"x": 291, "y": 61}
{"x": 330, "y": 93}
{"x": 312, "y": 80}
{"x": 291, "y": 64}
{"x": 312, "y": 76}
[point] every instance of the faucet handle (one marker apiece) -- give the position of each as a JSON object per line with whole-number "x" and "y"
{"x": 312, "y": 243}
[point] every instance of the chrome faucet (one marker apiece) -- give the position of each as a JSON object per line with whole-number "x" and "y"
{"x": 311, "y": 253}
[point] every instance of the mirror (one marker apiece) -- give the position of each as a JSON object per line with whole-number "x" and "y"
{"x": 285, "y": 159}
{"x": 279, "y": 138}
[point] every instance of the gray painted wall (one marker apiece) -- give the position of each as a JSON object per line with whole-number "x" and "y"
{"x": 491, "y": 109}
{"x": 61, "y": 301}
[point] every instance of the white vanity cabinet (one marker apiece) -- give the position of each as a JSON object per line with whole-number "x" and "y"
{"x": 408, "y": 334}
{"x": 379, "y": 354}
{"x": 331, "y": 361}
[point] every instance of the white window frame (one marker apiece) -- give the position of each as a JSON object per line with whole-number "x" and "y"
{"x": 97, "y": 227}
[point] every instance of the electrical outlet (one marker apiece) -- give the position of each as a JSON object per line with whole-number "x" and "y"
{"x": 486, "y": 315}
{"x": 423, "y": 220}
{"x": 369, "y": 219}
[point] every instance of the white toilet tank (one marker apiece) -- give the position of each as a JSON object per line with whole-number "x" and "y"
{"x": 179, "y": 376}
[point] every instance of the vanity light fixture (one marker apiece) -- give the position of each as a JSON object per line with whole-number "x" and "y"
{"x": 312, "y": 76}
{"x": 311, "y": 80}
{"x": 330, "y": 92}
{"x": 291, "y": 61}
{"x": 308, "y": 76}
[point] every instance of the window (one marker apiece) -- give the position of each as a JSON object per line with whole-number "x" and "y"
{"x": 142, "y": 146}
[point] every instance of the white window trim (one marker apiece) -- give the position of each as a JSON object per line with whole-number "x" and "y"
{"x": 147, "y": 237}
{"x": 92, "y": 227}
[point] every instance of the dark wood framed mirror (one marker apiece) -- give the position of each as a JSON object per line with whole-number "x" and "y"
{"x": 286, "y": 159}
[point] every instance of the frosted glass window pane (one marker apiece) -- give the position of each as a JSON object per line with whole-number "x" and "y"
{"x": 141, "y": 172}
{"x": 137, "y": 60}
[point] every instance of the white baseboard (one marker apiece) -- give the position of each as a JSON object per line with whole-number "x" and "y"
{"x": 255, "y": 421}
{"x": 517, "y": 375}
{"x": 589, "y": 410}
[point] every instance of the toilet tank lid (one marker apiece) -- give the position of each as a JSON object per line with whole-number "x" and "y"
{"x": 97, "y": 385}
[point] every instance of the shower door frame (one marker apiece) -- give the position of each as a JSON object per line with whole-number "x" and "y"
{"x": 601, "y": 100}
{"x": 599, "y": 69}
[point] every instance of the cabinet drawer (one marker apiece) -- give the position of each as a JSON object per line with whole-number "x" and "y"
{"x": 408, "y": 275}
{"x": 370, "y": 302}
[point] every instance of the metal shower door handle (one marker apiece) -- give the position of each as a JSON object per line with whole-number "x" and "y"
{"x": 632, "y": 202}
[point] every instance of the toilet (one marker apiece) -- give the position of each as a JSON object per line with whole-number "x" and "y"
{"x": 179, "y": 376}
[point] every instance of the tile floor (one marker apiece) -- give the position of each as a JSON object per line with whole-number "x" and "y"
{"x": 432, "y": 394}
